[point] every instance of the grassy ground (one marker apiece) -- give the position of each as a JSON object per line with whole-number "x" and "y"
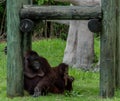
{"x": 86, "y": 84}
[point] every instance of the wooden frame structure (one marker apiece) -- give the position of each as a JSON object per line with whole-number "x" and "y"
{"x": 19, "y": 42}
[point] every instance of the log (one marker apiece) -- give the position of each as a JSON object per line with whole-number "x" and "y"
{"x": 26, "y": 25}
{"x": 60, "y": 12}
{"x": 95, "y": 25}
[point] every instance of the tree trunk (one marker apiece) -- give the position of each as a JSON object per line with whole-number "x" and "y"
{"x": 79, "y": 51}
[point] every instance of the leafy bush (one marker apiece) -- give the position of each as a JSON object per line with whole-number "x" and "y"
{"x": 41, "y": 2}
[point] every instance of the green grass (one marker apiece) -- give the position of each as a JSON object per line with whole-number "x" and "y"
{"x": 51, "y": 49}
{"x": 85, "y": 86}
{"x": 97, "y": 49}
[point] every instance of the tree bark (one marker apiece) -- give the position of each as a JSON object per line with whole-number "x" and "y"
{"x": 79, "y": 51}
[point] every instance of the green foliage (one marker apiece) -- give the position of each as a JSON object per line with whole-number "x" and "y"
{"x": 61, "y": 30}
{"x": 2, "y": 16}
{"x": 41, "y": 2}
{"x": 51, "y": 2}
{"x": 63, "y": 36}
{"x": 97, "y": 49}
{"x": 1, "y": 8}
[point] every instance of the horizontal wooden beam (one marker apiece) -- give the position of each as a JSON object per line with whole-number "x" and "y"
{"x": 60, "y": 12}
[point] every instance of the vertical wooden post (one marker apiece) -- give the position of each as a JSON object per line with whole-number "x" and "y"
{"x": 27, "y": 38}
{"x": 118, "y": 46}
{"x": 14, "y": 49}
{"x": 26, "y": 42}
{"x": 108, "y": 47}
